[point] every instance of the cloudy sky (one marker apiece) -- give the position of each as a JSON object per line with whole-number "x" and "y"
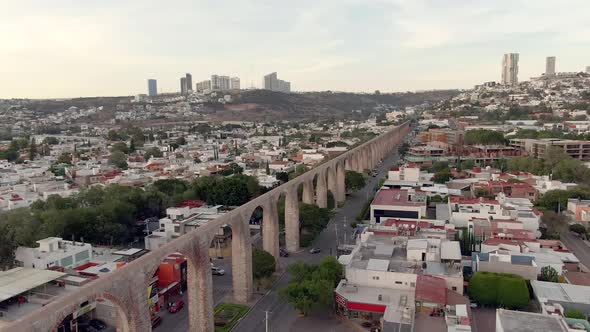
{"x": 69, "y": 48}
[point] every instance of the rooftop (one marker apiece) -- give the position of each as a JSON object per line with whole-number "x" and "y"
{"x": 519, "y": 321}
{"x": 561, "y": 292}
{"x": 397, "y": 197}
{"x": 19, "y": 280}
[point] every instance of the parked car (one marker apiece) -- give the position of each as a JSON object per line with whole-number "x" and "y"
{"x": 473, "y": 305}
{"x": 97, "y": 324}
{"x": 314, "y": 250}
{"x": 217, "y": 271}
{"x": 176, "y": 306}
{"x": 283, "y": 252}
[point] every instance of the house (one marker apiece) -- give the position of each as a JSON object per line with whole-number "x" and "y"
{"x": 398, "y": 203}
{"x": 52, "y": 252}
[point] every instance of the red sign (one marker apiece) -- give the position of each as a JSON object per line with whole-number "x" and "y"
{"x": 341, "y": 300}
{"x": 368, "y": 307}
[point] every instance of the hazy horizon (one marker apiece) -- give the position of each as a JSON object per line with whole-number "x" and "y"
{"x": 64, "y": 49}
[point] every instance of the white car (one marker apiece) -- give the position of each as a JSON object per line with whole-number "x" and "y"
{"x": 216, "y": 271}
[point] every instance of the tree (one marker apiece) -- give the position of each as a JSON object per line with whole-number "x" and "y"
{"x": 152, "y": 152}
{"x": 10, "y": 155}
{"x": 120, "y": 146}
{"x": 64, "y": 158}
{"x": 354, "y": 181}
{"x": 554, "y": 224}
{"x": 233, "y": 168}
{"x": 311, "y": 286}
{"x": 442, "y": 176}
{"x": 32, "y": 149}
{"x": 50, "y": 140}
{"x": 439, "y": 166}
{"x": 263, "y": 264}
{"x": 574, "y": 313}
{"x": 132, "y": 145}
{"x": 507, "y": 290}
{"x": 8, "y": 246}
{"x": 282, "y": 176}
{"x": 467, "y": 164}
{"x": 118, "y": 159}
{"x": 549, "y": 274}
{"x": 484, "y": 136}
{"x": 577, "y": 228}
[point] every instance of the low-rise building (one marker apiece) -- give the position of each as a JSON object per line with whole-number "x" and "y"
{"x": 53, "y": 252}
{"x": 398, "y": 203}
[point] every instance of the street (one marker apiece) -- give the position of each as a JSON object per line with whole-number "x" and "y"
{"x": 577, "y": 246}
{"x": 282, "y": 317}
{"x": 222, "y": 285}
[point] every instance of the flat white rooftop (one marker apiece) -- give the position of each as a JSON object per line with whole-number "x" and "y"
{"x": 519, "y": 321}
{"x": 19, "y": 280}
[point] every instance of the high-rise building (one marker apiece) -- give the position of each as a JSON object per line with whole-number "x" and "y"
{"x": 510, "y": 69}
{"x": 271, "y": 82}
{"x": 220, "y": 82}
{"x": 203, "y": 85}
{"x": 550, "y": 66}
{"x": 588, "y": 69}
{"x": 189, "y": 82}
{"x": 152, "y": 87}
{"x": 183, "y": 88}
{"x": 234, "y": 83}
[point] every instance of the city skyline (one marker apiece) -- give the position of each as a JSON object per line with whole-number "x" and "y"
{"x": 110, "y": 48}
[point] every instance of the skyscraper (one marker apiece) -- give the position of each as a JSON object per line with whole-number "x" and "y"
{"x": 588, "y": 69}
{"x": 510, "y": 69}
{"x": 220, "y": 82}
{"x": 152, "y": 87}
{"x": 550, "y": 66}
{"x": 189, "y": 82}
{"x": 183, "y": 88}
{"x": 271, "y": 82}
{"x": 234, "y": 83}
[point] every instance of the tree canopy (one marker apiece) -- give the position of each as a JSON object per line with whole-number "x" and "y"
{"x": 354, "y": 180}
{"x": 311, "y": 287}
{"x": 484, "y": 136}
{"x": 263, "y": 264}
{"x": 507, "y": 290}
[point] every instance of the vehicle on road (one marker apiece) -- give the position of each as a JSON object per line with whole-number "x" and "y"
{"x": 217, "y": 271}
{"x": 473, "y": 305}
{"x": 314, "y": 250}
{"x": 176, "y": 306}
{"x": 283, "y": 252}
{"x": 97, "y": 324}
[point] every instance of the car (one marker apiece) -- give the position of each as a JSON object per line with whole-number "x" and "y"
{"x": 473, "y": 305}
{"x": 97, "y": 324}
{"x": 283, "y": 252}
{"x": 176, "y": 306}
{"x": 314, "y": 250}
{"x": 217, "y": 271}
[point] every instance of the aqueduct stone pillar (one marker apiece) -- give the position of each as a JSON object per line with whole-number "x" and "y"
{"x": 270, "y": 229}
{"x": 332, "y": 184}
{"x": 354, "y": 163}
{"x": 241, "y": 252}
{"x": 341, "y": 182}
{"x": 200, "y": 290}
{"x": 308, "y": 192}
{"x": 321, "y": 191}
{"x": 292, "y": 220}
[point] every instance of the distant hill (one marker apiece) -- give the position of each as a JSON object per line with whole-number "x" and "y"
{"x": 258, "y": 105}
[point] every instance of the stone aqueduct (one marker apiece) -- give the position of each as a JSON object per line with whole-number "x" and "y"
{"x": 126, "y": 287}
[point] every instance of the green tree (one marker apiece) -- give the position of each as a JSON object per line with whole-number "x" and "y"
{"x": 181, "y": 140}
{"x": 153, "y": 152}
{"x": 282, "y": 176}
{"x": 263, "y": 264}
{"x": 311, "y": 286}
{"x": 553, "y": 224}
{"x": 467, "y": 164}
{"x": 50, "y": 140}
{"x": 577, "y": 228}
{"x": 439, "y": 166}
{"x": 574, "y": 313}
{"x": 32, "y": 149}
{"x": 10, "y": 155}
{"x": 118, "y": 159}
{"x": 484, "y": 136}
{"x": 442, "y": 176}
{"x": 507, "y": 290}
{"x": 549, "y": 274}
{"x": 354, "y": 181}
{"x": 8, "y": 246}
{"x": 120, "y": 146}
{"x": 64, "y": 158}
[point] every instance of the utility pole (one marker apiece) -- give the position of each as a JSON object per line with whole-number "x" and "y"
{"x": 266, "y": 320}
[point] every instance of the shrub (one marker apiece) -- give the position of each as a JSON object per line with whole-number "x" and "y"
{"x": 507, "y": 290}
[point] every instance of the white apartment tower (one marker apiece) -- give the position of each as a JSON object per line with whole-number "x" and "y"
{"x": 235, "y": 83}
{"x": 510, "y": 69}
{"x": 550, "y": 66}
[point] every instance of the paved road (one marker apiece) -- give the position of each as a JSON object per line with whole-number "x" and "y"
{"x": 577, "y": 246}
{"x": 222, "y": 285}
{"x": 282, "y": 316}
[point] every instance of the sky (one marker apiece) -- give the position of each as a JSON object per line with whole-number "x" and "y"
{"x": 73, "y": 48}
